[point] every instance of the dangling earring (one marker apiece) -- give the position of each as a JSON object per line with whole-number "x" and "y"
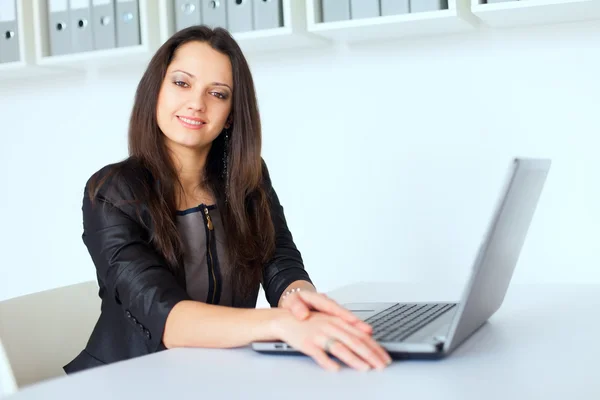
{"x": 225, "y": 163}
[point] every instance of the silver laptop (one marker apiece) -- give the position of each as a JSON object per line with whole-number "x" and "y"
{"x": 433, "y": 330}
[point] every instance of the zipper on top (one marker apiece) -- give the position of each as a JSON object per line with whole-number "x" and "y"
{"x": 210, "y": 259}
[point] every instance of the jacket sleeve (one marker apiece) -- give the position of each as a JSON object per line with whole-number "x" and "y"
{"x": 286, "y": 265}
{"x": 133, "y": 273}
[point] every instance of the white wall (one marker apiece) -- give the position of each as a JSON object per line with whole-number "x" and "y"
{"x": 388, "y": 158}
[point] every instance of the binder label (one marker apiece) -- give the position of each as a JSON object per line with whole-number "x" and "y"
{"x": 8, "y": 11}
{"x": 79, "y": 4}
{"x": 58, "y": 5}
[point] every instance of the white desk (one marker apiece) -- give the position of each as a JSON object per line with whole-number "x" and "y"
{"x": 542, "y": 344}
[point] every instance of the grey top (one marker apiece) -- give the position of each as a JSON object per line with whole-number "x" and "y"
{"x": 207, "y": 271}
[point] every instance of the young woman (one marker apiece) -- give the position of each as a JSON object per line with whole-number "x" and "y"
{"x": 183, "y": 232}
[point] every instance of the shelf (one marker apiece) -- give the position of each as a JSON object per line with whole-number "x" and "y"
{"x": 292, "y": 34}
{"x": 535, "y": 12}
{"x": 95, "y": 58}
{"x": 98, "y": 58}
{"x": 457, "y": 18}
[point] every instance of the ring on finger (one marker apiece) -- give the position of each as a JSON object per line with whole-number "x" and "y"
{"x": 328, "y": 343}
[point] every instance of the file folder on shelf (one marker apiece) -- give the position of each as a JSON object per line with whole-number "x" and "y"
{"x": 239, "y": 15}
{"x": 187, "y": 13}
{"x": 81, "y": 32}
{"x": 427, "y": 5}
{"x": 394, "y": 7}
{"x": 335, "y": 10}
{"x": 103, "y": 25}
{"x": 267, "y": 14}
{"x": 59, "y": 27}
{"x": 214, "y": 13}
{"x": 128, "y": 23}
{"x": 364, "y": 9}
{"x": 9, "y": 32}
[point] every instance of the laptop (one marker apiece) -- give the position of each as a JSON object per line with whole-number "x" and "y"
{"x": 434, "y": 330}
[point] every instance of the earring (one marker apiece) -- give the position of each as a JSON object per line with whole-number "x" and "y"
{"x": 226, "y": 162}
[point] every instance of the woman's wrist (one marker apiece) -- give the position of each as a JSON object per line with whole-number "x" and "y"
{"x": 277, "y": 321}
{"x": 295, "y": 287}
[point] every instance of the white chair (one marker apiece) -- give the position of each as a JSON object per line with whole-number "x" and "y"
{"x": 8, "y": 385}
{"x": 43, "y": 331}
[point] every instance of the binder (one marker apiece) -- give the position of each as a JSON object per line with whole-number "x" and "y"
{"x": 59, "y": 27}
{"x": 9, "y": 39}
{"x": 394, "y": 7}
{"x": 239, "y": 15}
{"x": 81, "y": 33}
{"x": 214, "y": 13}
{"x": 187, "y": 13}
{"x": 267, "y": 14}
{"x": 364, "y": 9}
{"x": 335, "y": 10}
{"x": 128, "y": 23}
{"x": 103, "y": 25}
{"x": 428, "y": 5}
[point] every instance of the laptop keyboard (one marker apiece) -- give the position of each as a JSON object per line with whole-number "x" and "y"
{"x": 402, "y": 320}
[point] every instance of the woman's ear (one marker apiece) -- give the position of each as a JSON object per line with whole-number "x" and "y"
{"x": 228, "y": 123}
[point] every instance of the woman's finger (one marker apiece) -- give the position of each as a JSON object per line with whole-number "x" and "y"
{"x": 343, "y": 353}
{"x": 313, "y": 350}
{"x": 299, "y": 309}
{"x": 321, "y": 303}
{"x": 367, "y": 339}
{"x": 357, "y": 345}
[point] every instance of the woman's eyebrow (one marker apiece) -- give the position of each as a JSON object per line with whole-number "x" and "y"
{"x": 193, "y": 77}
{"x": 222, "y": 84}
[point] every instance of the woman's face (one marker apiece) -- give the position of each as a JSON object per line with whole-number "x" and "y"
{"x": 194, "y": 101}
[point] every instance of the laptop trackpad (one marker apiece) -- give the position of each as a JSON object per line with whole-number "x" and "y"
{"x": 366, "y": 310}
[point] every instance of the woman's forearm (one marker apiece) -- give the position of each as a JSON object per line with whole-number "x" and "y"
{"x": 196, "y": 324}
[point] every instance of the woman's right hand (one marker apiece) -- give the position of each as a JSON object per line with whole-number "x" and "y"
{"x": 349, "y": 344}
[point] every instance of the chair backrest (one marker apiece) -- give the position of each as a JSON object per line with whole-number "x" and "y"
{"x": 8, "y": 385}
{"x": 43, "y": 331}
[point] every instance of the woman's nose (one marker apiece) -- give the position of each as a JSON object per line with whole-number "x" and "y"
{"x": 197, "y": 103}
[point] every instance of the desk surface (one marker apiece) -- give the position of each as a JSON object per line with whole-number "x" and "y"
{"x": 542, "y": 343}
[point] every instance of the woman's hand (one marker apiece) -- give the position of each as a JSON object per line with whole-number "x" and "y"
{"x": 301, "y": 303}
{"x": 320, "y": 333}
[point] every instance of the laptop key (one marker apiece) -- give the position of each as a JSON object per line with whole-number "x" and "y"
{"x": 400, "y": 321}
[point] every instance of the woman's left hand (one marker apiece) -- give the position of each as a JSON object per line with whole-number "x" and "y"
{"x": 300, "y": 303}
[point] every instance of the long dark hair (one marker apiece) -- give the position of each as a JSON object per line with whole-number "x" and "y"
{"x": 240, "y": 192}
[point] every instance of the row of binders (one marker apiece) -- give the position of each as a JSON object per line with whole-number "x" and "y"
{"x": 9, "y": 40}
{"x": 341, "y": 10}
{"x": 233, "y": 15}
{"x": 76, "y": 26}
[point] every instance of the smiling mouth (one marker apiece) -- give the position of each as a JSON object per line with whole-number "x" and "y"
{"x": 191, "y": 121}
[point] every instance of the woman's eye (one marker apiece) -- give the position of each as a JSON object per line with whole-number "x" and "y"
{"x": 222, "y": 96}
{"x": 180, "y": 83}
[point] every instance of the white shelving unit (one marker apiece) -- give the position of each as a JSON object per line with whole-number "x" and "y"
{"x": 96, "y": 58}
{"x": 457, "y": 18}
{"x": 302, "y": 27}
{"x": 25, "y": 36}
{"x": 535, "y": 12}
{"x": 292, "y": 34}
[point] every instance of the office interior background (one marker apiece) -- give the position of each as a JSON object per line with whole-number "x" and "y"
{"x": 388, "y": 154}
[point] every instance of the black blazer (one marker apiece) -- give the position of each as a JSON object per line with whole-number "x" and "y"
{"x": 137, "y": 290}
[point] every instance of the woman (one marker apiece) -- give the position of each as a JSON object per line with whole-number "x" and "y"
{"x": 184, "y": 231}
